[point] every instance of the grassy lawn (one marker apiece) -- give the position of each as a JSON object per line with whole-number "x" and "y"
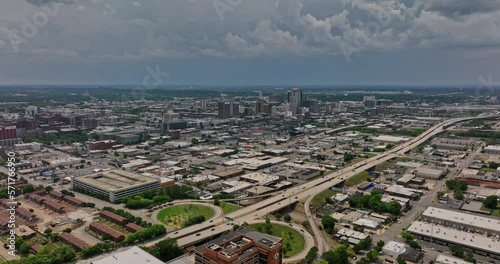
{"x": 496, "y": 212}
{"x": 384, "y": 165}
{"x": 175, "y": 216}
{"x": 357, "y": 179}
{"x": 296, "y": 240}
{"x": 370, "y": 154}
{"x": 319, "y": 200}
{"x": 228, "y": 207}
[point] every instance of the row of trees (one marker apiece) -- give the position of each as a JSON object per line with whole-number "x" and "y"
{"x": 149, "y": 199}
{"x": 62, "y": 254}
{"x": 145, "y": 233}
{"x": 98, "y": 249}
{"x": 58, "y": 138}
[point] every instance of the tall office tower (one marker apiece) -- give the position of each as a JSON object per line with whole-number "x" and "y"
{"x": 312, "y": 104}
{"x": 259, "y": 106}
{"x": 235, "y": 109}
{"x": 224, "y": 109}
{"x": 369, "y": 101}
{"x": 295, "y": 100}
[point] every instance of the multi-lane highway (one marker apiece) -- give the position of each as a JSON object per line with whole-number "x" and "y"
{"x": 192, "y": 234}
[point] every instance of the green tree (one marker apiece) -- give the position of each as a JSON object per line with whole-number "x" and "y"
{"x": 491, "y": 202}
{"x": 393, "y": 207}
{"x": 167, "y": 250}
{"x": 337, "y": 256}
{"x": 457, "y": 250}
{"x": 287, "y": 218}
{"x": 29, "y": 189}
{"x": 311, "y": 255}
{"x": 470, "y": 258}
{"x": 328, "y": 223}
{"x": 458, "y": 195}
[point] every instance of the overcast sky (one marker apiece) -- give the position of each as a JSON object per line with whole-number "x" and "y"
{"x": 226, "y": 42}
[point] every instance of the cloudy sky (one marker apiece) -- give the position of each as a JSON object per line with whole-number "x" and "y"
{"x": 227, "y": 42}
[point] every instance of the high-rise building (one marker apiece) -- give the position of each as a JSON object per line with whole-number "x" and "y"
{"x": 278, "y": 98}
{"x": 224, "y": 109}
{"x": 312, "y": 104}
{"x": 8, "y": 132}
{"x": 259, "y": 106}
{"x": 241, "y": 246}
{"x": 295, "y": 100}
{"x": 235, "y": 109}
{"x": 369, "y": 101}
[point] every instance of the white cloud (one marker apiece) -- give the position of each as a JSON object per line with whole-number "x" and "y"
{"x": 258, "y": 28}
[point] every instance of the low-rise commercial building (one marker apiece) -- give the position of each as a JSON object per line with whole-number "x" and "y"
{"x": 115, "y": 184}
{"x": 350, "y": 236}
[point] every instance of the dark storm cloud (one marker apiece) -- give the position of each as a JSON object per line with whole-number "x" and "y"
{"x": 457, "y": 8}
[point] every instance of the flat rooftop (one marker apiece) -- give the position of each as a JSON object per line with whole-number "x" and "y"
{"x": 261, "y": 178}
{"x": 464, "y": 218}
{"x": 445, "y": 259}
{"x": 115, "y": 180}
{"x": 471, "y": 240}
{"x": 134, "y": 255}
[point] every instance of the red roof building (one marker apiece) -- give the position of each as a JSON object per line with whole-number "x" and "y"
{"x": 73, "y": 241}
{"x": 117, "y": 219}
{"x": 101, "y": 229}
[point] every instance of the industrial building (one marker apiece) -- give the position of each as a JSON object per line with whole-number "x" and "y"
{"x": 429, "y": 173}
{"x": 492, "y": 149}
{"x": 445, "y": 235}
{"x": 115, "y": 184}
{"x": 241, "y": 246}
{"x": 462, "y": 221}
{"x": 445, "y": 259}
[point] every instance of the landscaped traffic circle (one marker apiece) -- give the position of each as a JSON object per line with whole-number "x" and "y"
{"x": 293, "y": 241}
{"x": 180, "y": 216}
